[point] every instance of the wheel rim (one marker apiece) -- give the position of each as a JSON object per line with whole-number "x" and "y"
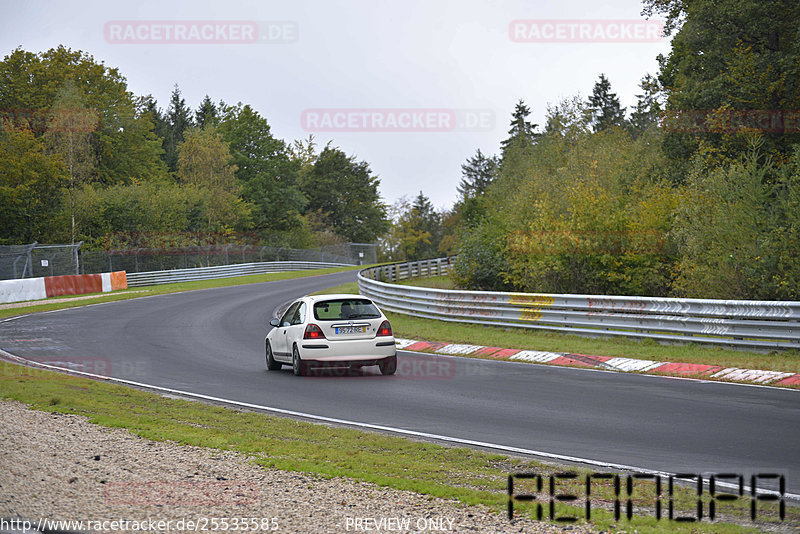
{"x": 296, "y": 361}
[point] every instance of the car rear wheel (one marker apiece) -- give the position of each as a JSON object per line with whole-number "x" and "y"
{"x": 272, "y": 364}
{"x": 298, "y": 367}
{"x": 388, "y": 366}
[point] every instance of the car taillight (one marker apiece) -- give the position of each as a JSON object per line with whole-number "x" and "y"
{"x": 313, "y": 332}
{"x": 385, "y": 329}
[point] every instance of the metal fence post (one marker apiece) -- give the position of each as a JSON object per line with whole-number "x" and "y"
{"x": 75, "y": 251}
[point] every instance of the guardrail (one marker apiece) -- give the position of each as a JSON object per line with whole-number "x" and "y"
{"x": 223, "y": 271}
{"x": 742, "y": 323}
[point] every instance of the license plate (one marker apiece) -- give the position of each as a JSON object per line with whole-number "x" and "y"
{"x": 351, "y": 329}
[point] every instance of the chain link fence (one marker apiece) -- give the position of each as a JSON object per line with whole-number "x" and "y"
{"x": 16, "y": 261}
{"x": 34, "y": 260}
{"x": 56, "y": 260}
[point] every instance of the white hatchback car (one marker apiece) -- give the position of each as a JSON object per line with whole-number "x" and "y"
{"x": 331, "y": 331}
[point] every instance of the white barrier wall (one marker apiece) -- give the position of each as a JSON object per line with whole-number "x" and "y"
{"x": 23, "y": 289}
{"x": 55, "y": 286}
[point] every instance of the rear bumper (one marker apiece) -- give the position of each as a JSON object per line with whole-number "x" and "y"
{"x": 354, "y": 352}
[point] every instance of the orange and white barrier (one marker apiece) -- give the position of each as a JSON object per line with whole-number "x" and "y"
{"x": 55, "y": 286}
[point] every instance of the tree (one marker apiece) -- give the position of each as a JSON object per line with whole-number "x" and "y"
{"x": 30, "y": 83}
{"x": 147, "y": 105}
{"x": 420, "y": 230}
{"x": 179, "y": 119}
{"x": 477, "y": 174}
{"x": 344, "y": 195}
{"x": 305, "y": 150}
{"x": 128, "y": 149}
{"x": 123, "y": 143}
{"x": 416, "y": 232}
{"x": 69, "y": 128}
{"x": 268, "y": 176}
{"x": 204, "y": 163}
{"x": 729, "y": 55}
{"x": 740, "y": 229}
{"x": 648, "y": 106}
{"x": 30, "y": 187}
{"x": 604, "y": 106}
{"x": 206, "y": 114}
{"x": 582, "y": 212}
{"x": 482, "y": 261}
{"x": 522, "y": 134}
{"x": 204, "y": 160}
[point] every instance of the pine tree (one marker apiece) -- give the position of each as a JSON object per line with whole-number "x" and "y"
{"x": 522, "y": 133}
{"x": 206, "y": 114}
{"x": 418, "y": 229}
{"x": 604, "y": 106}
{"x": 648, "y": 106}
{"x": 178, "y": 120}
{"x": 477, "y": 174}
{"x": 149, "y": 105}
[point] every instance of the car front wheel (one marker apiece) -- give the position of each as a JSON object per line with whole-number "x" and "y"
{"x": 272, "y": 364}
{"x": 298, "y": 367}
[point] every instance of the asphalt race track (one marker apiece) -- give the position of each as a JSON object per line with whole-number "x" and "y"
{"x": 212, "y": 342}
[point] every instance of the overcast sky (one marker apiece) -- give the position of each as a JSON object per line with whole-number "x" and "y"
{"x": 413, "y": 87}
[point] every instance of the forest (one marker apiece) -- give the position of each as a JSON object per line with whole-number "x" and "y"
{"x": 83, "y": 159}
{"x": 693, "y": 193}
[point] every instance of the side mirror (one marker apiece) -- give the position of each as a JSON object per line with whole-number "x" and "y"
{"x": 275, "y": 322}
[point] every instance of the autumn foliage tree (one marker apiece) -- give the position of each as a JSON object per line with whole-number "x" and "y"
{"x": 204, "y": 163}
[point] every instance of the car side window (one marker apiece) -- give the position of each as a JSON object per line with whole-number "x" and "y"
{"x": 299, "y": 314}
{"x": 286, "y": 320}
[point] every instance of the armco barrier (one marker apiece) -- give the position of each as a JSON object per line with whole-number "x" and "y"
{"x": 56, "y": 286}
{"x": 223, "y": 271}
{"x": 743, "y": 323}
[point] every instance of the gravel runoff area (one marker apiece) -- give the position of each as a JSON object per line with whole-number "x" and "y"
{"x": 61, "y": 467}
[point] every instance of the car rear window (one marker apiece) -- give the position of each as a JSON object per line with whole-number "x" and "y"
{"x": 344, "y": 309}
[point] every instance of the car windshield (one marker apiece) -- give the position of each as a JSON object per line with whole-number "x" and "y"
{"x": 333, "y": 310}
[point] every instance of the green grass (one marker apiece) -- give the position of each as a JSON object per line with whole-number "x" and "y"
{"x": 521, "y": 338}
{"x": 60, "y": 303}
{"x": 468, "y": 475}
{"x": 436, "y": 282}
{"x": 351, "y": 287}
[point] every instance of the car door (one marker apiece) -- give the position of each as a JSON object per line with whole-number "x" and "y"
{"x": 281, "y": 349}
{"x": 296, "y": 328}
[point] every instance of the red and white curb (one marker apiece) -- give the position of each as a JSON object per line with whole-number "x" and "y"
{"x": 689, "y": 370}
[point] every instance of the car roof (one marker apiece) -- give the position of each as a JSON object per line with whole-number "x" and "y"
{"x": 336, "y": 296}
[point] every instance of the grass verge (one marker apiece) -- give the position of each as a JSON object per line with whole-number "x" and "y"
{"x": 468, "y": 475}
